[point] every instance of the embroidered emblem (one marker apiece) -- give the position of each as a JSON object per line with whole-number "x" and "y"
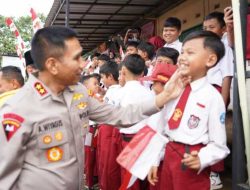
{"x": 77, "y": 96}
{"x": 223, "y": 118}
{"x": 177, "y": 114}
{"x": 54, "y": 154}
{"x": 47, "y": 139}
{"x": 193, "y": 121}
{"x": 40, "y": 89}
{"x": 11, "y": 123}
{"x": 59, "y": 136}
{"x": 90, "y": 93}
{"x": 200, "y": 105}
{"x": 82, "y": 105}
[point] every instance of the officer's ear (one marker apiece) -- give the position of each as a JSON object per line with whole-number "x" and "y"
{"x": 51, "y": 65}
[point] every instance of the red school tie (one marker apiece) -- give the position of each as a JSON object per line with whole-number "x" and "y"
{"x": 175, "y": 119}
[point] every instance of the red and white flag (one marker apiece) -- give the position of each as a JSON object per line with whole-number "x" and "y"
{"x": 36, "y": 22}
{"x": 142, "y": 152}
{"x": 20, "y": 47}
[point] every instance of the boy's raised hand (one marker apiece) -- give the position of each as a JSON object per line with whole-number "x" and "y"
{"x": 152, "y": 175}
{"x": 192, "y": 160}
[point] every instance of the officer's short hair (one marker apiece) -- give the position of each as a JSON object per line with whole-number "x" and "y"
{"x": 173, "y": 22}
{"x": 49, "y": 42}
{"x": 10, "y": 72}
{"x": 219, "y": 16}
{"x": 134, "y": 63}
{"x": 110, "y": 68}
{"x": 210, "y": 40}
{"x": 148, "y": 48}
{"x": 168, "y": 52}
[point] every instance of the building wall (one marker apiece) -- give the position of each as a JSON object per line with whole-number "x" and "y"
{"x": 191, "y": 12}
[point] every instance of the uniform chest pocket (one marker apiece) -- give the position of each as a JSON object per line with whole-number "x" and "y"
{"x": 53, "y": 146}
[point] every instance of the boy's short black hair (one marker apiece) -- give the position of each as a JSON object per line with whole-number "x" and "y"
{"x": 11, "y": 72}
{"x": 211, "y": 41}
{"x": 168, "y": 52}
{"x": 132, "y": 43}
{"x": 173, "y": 22}
{"x": 104, "y": 57}
{"x": 219, "y": 16}
{"x": 134, "y": 63}
{"x": 110, "y": 68}
{"x": 95, "y": 55}
{"x": 148, "y": 48}
{"x": 84, "y": 78}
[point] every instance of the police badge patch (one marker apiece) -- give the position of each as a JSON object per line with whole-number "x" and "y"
{"x": 11, "y": 123}
{"x": 193, "y": 121}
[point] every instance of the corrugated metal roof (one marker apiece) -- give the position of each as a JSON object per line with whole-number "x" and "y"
{"x": 96, "y": 20}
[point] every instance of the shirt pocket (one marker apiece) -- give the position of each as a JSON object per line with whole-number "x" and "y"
{"x": 53, "y": 146}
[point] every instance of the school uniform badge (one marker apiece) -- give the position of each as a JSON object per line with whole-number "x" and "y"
{"x": 54, "y": 154}
{"x": 11, "y": 123}
{"x": 193, "y": 121}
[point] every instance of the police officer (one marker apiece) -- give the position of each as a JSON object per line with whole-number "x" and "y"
{"x": 44, "y": 124}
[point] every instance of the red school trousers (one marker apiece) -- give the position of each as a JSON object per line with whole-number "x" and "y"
{"x": 108, "y": 168}
{"x": 174, "y": 177}
{"x": 90, "y": 160}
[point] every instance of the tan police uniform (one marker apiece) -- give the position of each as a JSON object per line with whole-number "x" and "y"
{"x": 42, "y": 135}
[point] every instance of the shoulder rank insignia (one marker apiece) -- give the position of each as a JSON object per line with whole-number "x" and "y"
{"x": 40, "y": 89}
{"x": 11, "y": 123}
{"x": 77, "y": 96}
{"x": 54, "y": 154}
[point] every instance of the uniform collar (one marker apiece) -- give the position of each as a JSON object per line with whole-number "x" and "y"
{"x": 197, "y": 84}
{"x": 131, "y": 83}
{"x": 173, "y": 43}
{"x": 115, "y": 86}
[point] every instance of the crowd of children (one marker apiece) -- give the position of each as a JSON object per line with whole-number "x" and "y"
{"x": 194, "y": 122}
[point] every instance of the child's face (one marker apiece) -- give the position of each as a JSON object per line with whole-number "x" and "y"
{"x": 163, "y": 59}
{"x": 131, "y": 50}
{"x": 121, "y": 78}
{"x": 92, "y": 84}
{"x": 95, "y": 61}
{"x": 143, "y": 54}
{"x": 195, "y": 60}
{"x": 157, "y": 87}
{"x": 214, "y": 26}
{"x": 170, "y": 34}
{"x": 106, "y": 80}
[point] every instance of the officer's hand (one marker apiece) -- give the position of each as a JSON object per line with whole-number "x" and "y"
{"x": 192, "y": 160}
{"x": 177, "y": 83}
{"x": 152, "y": 175}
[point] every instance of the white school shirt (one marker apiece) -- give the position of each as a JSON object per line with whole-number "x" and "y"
{"x": 203, "y": 121}
{"x": 223, "y": 68}
{"x": 175, "y": 45}
{"x": 133, "y": 92}
{"x": 112, "y": 95}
